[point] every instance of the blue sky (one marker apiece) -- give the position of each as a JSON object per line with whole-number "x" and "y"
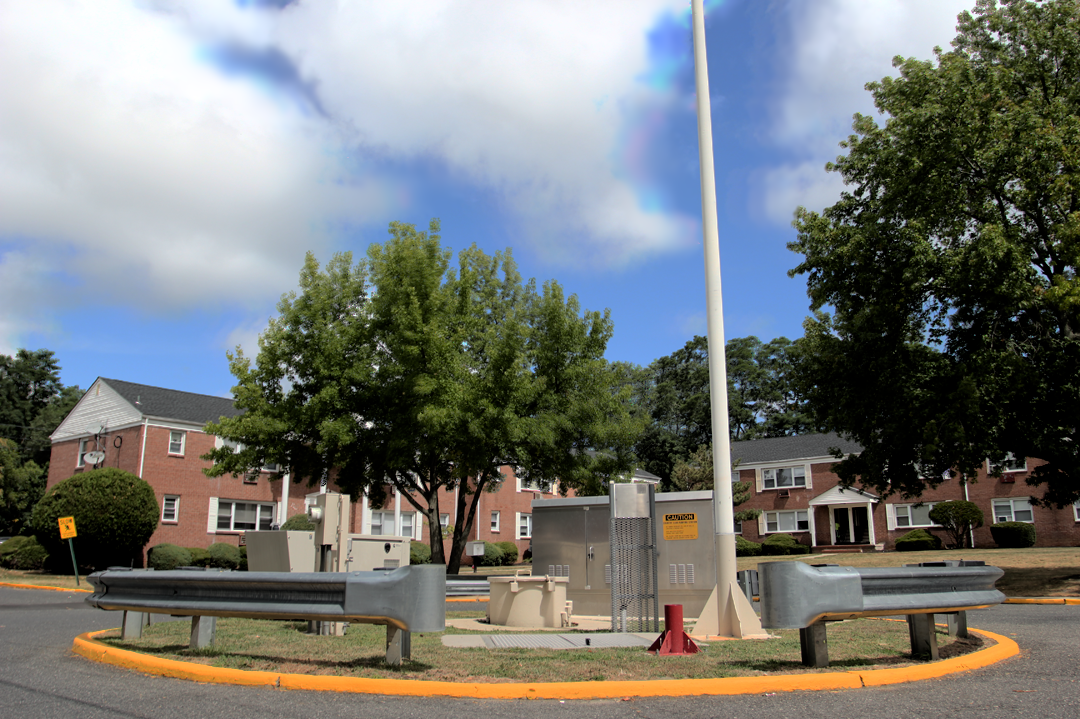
{"x": 165, "y": 165}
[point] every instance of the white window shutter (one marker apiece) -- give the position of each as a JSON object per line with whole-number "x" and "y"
{"x": 211, "y": 519}
{"x": 517, "y": 525}
{"x": 809, "y": 474}
{"x": 761, "y": 524}
{"x": 759, "y": 480}
{"x": 890, "y": 516}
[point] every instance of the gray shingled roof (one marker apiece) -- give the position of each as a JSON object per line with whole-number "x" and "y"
{"x": 172, "y": 403}
{"x": 778, "y": 449}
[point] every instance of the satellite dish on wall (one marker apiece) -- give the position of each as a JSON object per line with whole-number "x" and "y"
{"x": 94, "y": 457}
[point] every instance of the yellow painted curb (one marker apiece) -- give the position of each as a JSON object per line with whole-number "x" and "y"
{"x": 1042, "y": 600}
{"x": 42, "y": 586}
{"x": 88, "y": 646}
{"x": 468, "y": 599}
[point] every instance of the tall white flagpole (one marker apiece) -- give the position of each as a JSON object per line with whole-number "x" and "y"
{"x": 734, "y": 615}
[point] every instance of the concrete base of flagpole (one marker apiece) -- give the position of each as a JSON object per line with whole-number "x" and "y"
{"x": 728, "y": 614}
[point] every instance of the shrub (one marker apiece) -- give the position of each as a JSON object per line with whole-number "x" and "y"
{"x": 299, "y": 523}
{"x": 781, "y": 544}
{"x": 918, "y": 540}
{"x": 225, "y": 556}
{"x": 115, "y": 513}
{"x": 492, "y": 555}
{"x": 746, "y": 548}
{"x": 1013, "y": 535}
{"x": 958, "y": 517}
{"x": 419, "y": 553}
{"x": 199, "y": 557}
{"x": 23, "y": 553}
{"x": 510, "y": 552}
{"x": 243, "y": 566}
{"x": 164, "y": 557}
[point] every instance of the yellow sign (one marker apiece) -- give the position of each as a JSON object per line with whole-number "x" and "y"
{"x": 680, "y": 526}
{"x": 67, "y": 527}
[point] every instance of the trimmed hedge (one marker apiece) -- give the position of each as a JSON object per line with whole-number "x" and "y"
{"x": 164, "y": 557}
{"x": 781, "y": 544}
{"x": 510, "y": 552}
{"x": 492, "y": 555}
{"x": 23, "y": 553}
{"x": 1013, "y": 535}
{"x": 918, "y": 540}
{"x": 746, "y": 548}
{"x": 225, "y": 556}
{"x": 419, "y": 553}
{"x": 299, "y": 523}
{"x": 199, "y": 557}
{"x": 115, "y": 514}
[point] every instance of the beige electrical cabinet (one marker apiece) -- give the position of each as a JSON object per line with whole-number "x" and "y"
{"x": 281, "y": 551}
{"x": 368, "y": 552}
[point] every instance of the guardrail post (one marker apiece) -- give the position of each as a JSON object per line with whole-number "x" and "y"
{"x": 815, "y": 645}
{"x": 398, "y": 645}
{"x": 203, "y": 630}
{"x": 957, "y": 624}
{"x": 133, "y": 625}
{"x": 923, "y": 636}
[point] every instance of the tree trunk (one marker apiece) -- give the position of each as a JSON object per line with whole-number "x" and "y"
{"x": 464, "y": 522}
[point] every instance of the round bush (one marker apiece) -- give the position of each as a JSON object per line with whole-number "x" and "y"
{"x": 918, "y": 540}
{"x": 164, "y": 557}
{"x": 115, "y": 513}
{"x": 23, "y": 553}
{"x": 199, "y": 557}
{"x": 1013, "y": 535}
{"x": 492, "y": 555}
{"x": 299, "y": 523}
{"x": 419, "y": 553}
{"x": 746, "y": 548}
{"x": 781, "y": 544}
{"x": 510, "y": 552}
{"x": 225, "y": 556}
{"x": 243, "y": 566}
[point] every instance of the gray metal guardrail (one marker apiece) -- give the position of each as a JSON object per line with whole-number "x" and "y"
{"x": 795, "y": 595}
{"x": 456, "y": 587}
{"x": 408, "y": 599}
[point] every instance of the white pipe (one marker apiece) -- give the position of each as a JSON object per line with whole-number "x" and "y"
{"x": 142, "y": 451}
{"x": 283, "y": 513}
{"x": 971, "y": 530}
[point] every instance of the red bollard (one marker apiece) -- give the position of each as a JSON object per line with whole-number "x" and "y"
{"x": 673, "y": 640}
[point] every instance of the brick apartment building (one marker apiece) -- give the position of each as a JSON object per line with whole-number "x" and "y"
{"x": 157, "y": 434}
{"x": 798, "y": 494}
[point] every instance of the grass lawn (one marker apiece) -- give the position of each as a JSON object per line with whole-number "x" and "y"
{"x": 282, "y": 646}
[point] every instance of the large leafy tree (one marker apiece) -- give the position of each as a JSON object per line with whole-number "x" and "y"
{"x": 33, "y": 402}
{"x": 406, "y": 372}
{"x": 949, "y": 264}
{"x": 675, "y": 391}
{"x": 696, "y": 474}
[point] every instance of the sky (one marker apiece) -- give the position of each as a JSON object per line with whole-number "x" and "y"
{"x": 165, "y": 165}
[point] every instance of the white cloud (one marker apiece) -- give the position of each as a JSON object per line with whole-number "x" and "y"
{"x": 137, "y": 166}
{"x": 840, "y": 45}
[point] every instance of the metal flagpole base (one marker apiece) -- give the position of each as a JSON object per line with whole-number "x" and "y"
{"x": 739, "y": 620}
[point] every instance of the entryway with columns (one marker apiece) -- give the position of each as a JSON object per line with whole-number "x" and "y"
{"x": 850, "y": 520}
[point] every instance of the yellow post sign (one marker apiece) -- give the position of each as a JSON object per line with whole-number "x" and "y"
{"x": 680, "y": 526}
{"x": 67, "y": 527}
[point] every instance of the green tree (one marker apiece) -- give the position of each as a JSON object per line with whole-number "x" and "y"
{"x": 115, "y": 514}
{"x": 949, "y": 263}
{"x": 403, "y": 371}
{"x": 33, "y": 402}
{"x": 696, "y": 475}
{"x": 958, "y": 517}
{"x": 675, "y": 391}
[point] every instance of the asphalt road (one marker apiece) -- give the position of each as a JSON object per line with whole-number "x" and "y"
{"x": 41, "y": 677}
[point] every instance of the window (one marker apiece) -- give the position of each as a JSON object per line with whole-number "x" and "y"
{"x": 83, "y": 449}
{"x": 495, "y": 521}
{"x": 914, "y": 515}
{"x": 240, "y": 516}
{"x": 738, "y": 527}
{"x": 382, "y": 523}
{"x": 1013, "y": 510}
{"x": 1076, "y": 511}
{"x": 1011, "y": 464}
{"x": 796, "y": 521}
{"x": 176, "y": 442}
{"x": 170, "y": 508}
{"x": 524, "y": 526}
{"x": 783, "y": 477}
{"x": 533, "y": 485}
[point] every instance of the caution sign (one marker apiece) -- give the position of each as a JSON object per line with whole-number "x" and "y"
{"x": 680, "y": 526}
{"x": 67, "y": 527}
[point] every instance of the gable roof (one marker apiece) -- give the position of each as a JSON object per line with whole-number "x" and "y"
{"x": 780, "y": 449}
{"x": 172, "y": 403}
